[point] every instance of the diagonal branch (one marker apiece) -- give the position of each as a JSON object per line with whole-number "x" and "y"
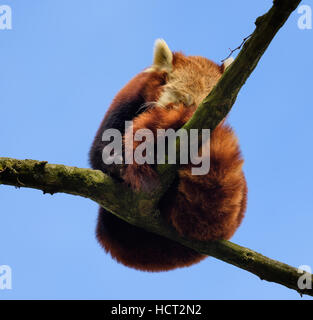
{"x": 139, "y": 208}
{"x": 215, "y": 107}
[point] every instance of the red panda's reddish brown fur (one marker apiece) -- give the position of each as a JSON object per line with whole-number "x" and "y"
{"x": 203, "y": 207}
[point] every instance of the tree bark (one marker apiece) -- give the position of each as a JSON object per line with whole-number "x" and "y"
{"x": 215, "y": 107}
{"x": 138, "y": 209}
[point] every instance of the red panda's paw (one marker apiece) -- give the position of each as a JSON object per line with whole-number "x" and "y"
{"x": 141, "y": 178}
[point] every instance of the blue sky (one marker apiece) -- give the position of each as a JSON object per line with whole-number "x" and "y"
{"x": 61, "y": 65}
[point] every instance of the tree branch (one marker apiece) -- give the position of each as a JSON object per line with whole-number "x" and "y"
{"x": 215, "y": 107}
{"x": 139, "y": 208}
{"x": 237, "y": 48}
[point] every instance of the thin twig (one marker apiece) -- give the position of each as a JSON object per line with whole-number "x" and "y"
{"x": 238, "y": 48}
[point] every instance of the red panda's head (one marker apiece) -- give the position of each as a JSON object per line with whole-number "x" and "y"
{"x": 188, "y": 78}
{"x": 172, "y": 78}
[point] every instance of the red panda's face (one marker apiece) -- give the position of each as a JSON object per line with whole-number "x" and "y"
{"x": 172, "y": 79}
{"x": 189, "y": 79}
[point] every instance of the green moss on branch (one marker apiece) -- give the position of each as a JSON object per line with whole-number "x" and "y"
{"x": 215, "y": 107}
{"x": 137, "y": 209}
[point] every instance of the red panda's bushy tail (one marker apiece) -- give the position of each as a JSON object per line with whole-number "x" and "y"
{"x": 212, "y": 206}
{"x": 202, "y": 207}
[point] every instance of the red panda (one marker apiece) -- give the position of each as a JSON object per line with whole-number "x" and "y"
{"x": 202, "y": 207}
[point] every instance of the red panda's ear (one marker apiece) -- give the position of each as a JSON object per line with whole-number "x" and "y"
{"x": 227, "y": 63}
{"x": 163, "y": 56}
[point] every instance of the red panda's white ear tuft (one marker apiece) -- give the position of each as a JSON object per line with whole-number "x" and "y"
{"x": 163, "y": 56}
{"x": 227, "y": 63}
